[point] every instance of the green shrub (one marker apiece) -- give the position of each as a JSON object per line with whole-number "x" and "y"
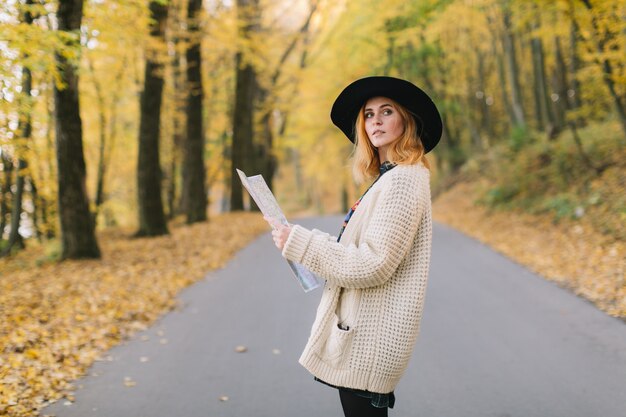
{"x": 538, "y": 175}
{"x": 500, "y": 195}
{"x": 561, "y": 205}
{"x": 520, "y": 138}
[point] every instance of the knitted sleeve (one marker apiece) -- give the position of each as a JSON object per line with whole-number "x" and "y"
{"x": 326, "y": 235}
{"x": 386, "y": 240}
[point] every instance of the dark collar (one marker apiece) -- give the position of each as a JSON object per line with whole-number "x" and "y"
{"x": 386, "y": 166}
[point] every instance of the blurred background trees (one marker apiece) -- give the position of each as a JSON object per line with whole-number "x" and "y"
{"x": 163, "y": 99}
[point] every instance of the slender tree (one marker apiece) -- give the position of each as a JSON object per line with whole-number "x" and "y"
{"x": 575, "y": 63}
{"x": 559, "y": 85}
{"x": 47, "y": 204}
{"x": 151, "y": 215}
{"x": 486, "y": 123}
{"x": 102, "y": 126}
{"x": 543, "y": 109}
{"x": 501, "y": 70}
{"x": 513, "y": 70}
{"x": 35, "y": 215}
{"x": 245, "y": 93}
{"x": 21, "y": 139}
{"x": 176, "y": 204}
{"x": 77, "y": 226}
{"x": 5, "y": 190}
{"x": 194, "y": 175}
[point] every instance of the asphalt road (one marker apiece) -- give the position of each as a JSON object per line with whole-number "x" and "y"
{"x": 496, "y": 341}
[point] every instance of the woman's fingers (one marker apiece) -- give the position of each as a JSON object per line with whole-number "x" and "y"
{"x": 280, "y": 235}
{"x": 280, "y": 232}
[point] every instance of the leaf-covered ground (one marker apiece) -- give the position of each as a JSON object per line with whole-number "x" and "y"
{"x": 571, "y": 252}
{"x": 56, "y": 319}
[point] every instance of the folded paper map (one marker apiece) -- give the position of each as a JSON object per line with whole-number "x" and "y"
{"x": 263, "y": 197}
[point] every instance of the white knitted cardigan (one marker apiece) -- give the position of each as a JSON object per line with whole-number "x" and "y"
{"x": 382, "y": 261}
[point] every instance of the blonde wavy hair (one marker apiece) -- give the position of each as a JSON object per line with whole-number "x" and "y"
{"x": 406, "y": 150}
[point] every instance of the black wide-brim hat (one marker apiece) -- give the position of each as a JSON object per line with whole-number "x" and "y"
{"x": 348, "y": 104}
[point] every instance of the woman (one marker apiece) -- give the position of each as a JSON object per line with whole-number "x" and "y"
{"x": 376, "y": 270}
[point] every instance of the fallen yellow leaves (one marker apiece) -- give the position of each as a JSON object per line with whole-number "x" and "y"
{"x": 571, "y": 253}
{"x": 56, "y": 319}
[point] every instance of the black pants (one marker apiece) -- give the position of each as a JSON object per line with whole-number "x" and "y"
{"x": 356, "y": 406}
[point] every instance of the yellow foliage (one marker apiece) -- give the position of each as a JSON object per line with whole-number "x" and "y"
{"x": 57, "y": 318}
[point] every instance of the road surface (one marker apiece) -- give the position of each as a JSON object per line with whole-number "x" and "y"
{"x": 496, "y": 341}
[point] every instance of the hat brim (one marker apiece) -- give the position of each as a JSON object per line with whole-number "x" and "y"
{"x": 348, "y": 104}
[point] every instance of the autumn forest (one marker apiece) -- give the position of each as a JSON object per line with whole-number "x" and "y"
{"x": 133, "y": 112}
{"x": 122, "y": 123}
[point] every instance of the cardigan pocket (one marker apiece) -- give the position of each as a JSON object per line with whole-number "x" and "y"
{"x": 337, "y": 344}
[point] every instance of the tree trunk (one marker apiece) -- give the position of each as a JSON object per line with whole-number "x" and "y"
{"x": 242, "y": 129}
{"x": 390, "y": 53}
{"x": 48, "y": 226}
{"x": 227, "y": 179}
{"x": 175, "y": 205}
{"x": 24, "y": 135}
{"x": 243, "y": 118}
{"x": 175, "y": 198}
{"x": 36, "y": 202}
{"x": 469, "y": 111}
{"x": 194, "y": 175}
{"x": 109, "y": 220}
{"x": 502, "y": 78}
{"x": 485, "y": 101}
{"x": 303, "y": 190}
{"x": 543, "y": 107}
{"x": 450, "y": 137}
{"x": 21, "y": 139}
{"x": 264, "y": 149}
{"x": 344, "y": 197}
{"x": 151, "y": 215}
{"x": 540, "y": 105}
{"x": 48, "y": 207}
{"x": 5, "y": 191}
{"x": 77, "y": 227}
{"x": 495, "y": 36}
{"x": 559, "y": 81}
{"x": 510, "y": 55}
{"x": 103, "y": 139}
{"x": 575, "y": 95}
{"x": 50, "y": 133}
{"x": 106, "y": 144}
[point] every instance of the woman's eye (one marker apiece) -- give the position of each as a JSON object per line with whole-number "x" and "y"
{"x": 387, "y": 112}
{"x": 368, "y": 115}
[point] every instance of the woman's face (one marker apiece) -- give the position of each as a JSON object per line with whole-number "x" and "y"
{"x": 383, "y": 123}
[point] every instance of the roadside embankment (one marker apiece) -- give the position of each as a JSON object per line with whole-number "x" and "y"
{"x": 571, "y": 233}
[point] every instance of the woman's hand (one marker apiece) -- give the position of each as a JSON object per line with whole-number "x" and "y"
{"x": 280, "y": 232}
